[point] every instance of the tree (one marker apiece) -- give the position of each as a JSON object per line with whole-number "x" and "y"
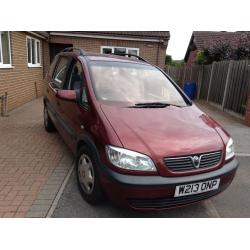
{"x": 168, "y": 60}
{"x": 219, "y": 50}
{"x": 243, "y": 50}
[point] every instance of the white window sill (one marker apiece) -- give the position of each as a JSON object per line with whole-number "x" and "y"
{"x": 6, "y": 67}
{"x": 34, "y": 66}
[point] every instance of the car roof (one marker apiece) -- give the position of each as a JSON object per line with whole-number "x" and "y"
{"x": 106, "y": 57}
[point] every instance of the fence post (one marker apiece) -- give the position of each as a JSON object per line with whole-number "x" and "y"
{"x": 210, "y": 81}
{"x": 191, "y": 71}
{"x": 227, "y": 84}
{"x": 168, "y": 70}
{"x": 200, "y": 78}
{"x": 184, "y": 75}
{"x": 180, "y": 75}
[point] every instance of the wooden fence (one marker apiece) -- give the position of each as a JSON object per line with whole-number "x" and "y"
{"x": 225, "y": 84}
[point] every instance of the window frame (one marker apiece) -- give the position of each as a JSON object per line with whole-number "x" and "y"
{"x": 119, "y": 47}
{"x": 83, "y": 88}
{"x": 36, "y": 41}
{"x": 4, "y": 65}
{"x": 67, "y": 65}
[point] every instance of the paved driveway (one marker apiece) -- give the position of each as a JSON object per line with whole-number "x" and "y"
{"x": 35, "y": 167}
{"x": 236, "y": 127}
{"x": 29, "y": 158}
{"x": 234, "y": 202}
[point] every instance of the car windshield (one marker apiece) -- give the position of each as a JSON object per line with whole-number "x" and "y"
{"x": 134, "y": 83}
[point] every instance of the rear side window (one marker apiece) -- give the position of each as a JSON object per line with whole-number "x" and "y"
{"x": 60, "y": 72}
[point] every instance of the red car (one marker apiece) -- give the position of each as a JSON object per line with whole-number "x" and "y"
{"x": 138, "y": 139}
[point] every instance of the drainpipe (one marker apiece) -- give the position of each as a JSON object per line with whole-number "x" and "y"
{"x": 4, "y": 104}
{"x": 157, "y": 57}
{"x": 44, "y": 72}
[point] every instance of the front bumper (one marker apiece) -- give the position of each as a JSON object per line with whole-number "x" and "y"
{"x": 157, "y": 192}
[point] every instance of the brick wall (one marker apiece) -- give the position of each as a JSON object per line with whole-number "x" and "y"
{"x": 148, "y": 50}
{"x": 20, "y": 80}
{"x": 192, "y": 57}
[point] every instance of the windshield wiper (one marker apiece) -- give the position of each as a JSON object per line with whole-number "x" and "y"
{"x": 153, "y": 105}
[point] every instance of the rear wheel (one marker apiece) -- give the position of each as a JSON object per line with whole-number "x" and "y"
{"x": 48, "y": 124}
{"x": 87, "y": 177}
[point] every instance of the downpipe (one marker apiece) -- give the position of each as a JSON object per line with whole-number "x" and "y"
{"x": 4, "y": 104}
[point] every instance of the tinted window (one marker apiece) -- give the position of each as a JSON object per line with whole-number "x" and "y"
{"x": 77, "y": 81}
{"x": 76, "y": 77}
{"x": 60, "y": 72}
{"x": 132, "y": 83}
{"x": 52, "y": 66}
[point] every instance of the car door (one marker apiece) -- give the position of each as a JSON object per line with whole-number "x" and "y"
{"x": 76, "y": 115}
{"x": 57, "y": 83}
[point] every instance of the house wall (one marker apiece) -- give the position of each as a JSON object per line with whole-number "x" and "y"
{"x": 20, "y": 80}
{"x": 152, "y": 51}
{"x": 192, "y": 57}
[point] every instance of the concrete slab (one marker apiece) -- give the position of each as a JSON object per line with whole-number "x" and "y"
{"x": 239, "y": 131}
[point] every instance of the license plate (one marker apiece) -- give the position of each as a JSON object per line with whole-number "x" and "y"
{"x": 196, "y": 188}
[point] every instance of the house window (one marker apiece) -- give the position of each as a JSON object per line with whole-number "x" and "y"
{"x": 119, "y": 50}
{"x": 5, "y": 53}
{"x": 33, "y": 52}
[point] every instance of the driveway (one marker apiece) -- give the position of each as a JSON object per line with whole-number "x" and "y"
{"x": 234, "y": 202}
{"x": 33, "y": 163}
{"x": 37, "y": 177}
{"x": 236, "y": 127}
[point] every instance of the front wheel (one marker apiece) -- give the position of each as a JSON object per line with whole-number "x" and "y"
{"x": 87, "y": 177}
{"x": 48, "y": 124}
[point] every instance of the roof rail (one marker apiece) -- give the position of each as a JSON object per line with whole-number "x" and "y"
{"x": 71, "y": 49}
{"x": 129, "y": 55}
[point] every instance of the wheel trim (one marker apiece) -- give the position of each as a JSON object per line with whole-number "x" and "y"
{"x": 86, "y": 173}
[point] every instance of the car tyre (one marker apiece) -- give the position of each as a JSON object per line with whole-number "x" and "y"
{"x": 48, "y": 124}
{"x": 88, "y": 177}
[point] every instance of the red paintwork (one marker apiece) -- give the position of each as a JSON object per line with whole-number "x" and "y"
{"x": 69, "y": 95}
{"x": 158, "y": 133}
{"x": 119, "y": 194}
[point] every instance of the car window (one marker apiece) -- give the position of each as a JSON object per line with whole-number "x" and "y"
{"x": 52, "y": 66}
{"x": 60, "y": 72}
{"x": 76, "y": 77}
{"x": 132, "y": 83}
{"x": 77, "y": 81}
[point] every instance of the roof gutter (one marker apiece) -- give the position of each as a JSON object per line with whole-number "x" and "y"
{"x": 37, "y": 35}
{"x": 107, "y": 37}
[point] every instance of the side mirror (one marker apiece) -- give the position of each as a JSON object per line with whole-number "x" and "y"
{"x": 68, "y": 95}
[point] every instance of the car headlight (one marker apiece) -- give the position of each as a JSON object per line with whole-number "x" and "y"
{"x": 127, "y": 159}
{"x": 229, "y": 149}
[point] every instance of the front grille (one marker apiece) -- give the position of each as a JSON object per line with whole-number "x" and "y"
{"x": 185, "y": 163}
{"x": 168, "y": 202}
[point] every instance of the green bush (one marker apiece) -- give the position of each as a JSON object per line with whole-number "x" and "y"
{"x": 201, "y": 57}
{"x": 219, "y": 50}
